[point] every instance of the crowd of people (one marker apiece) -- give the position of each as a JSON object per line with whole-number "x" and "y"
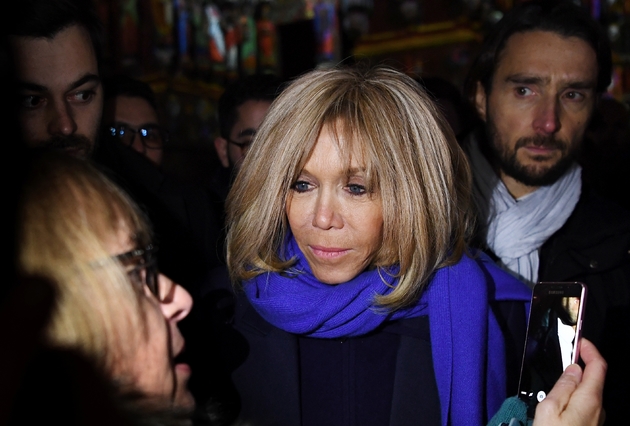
{"x": 365, "y": 256}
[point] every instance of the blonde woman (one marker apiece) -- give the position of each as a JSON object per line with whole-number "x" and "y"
{"x": 85, "y": 235}
{"x": 347, "y": 229}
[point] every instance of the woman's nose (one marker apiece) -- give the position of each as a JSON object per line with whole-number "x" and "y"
{"x": 327, "y": 214}
{"x": 177, "y": 304}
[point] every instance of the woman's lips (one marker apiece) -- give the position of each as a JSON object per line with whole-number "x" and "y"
{"x": 328, "y": 252}
{"x": 183, "y": 368}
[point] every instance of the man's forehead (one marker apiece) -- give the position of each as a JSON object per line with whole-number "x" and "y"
{"x": 251, "y": 113}
{"x": 546, "y": 53}
{"x": 67, "y": 56}
{"x": 131, "y": 110}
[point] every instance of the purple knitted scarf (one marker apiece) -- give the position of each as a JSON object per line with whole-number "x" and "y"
{"x": 467, "y": 343}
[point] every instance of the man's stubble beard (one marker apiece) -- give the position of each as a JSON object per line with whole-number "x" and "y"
{"x": 77, "y": 145}
{"x": 505, "y": 159}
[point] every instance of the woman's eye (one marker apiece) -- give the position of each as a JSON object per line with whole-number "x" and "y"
{"x": 135, "y": 275}
{"x": 355, "y": 189}
{"x": 301, "y": 186}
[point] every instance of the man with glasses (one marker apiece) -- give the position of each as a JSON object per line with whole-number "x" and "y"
{"x": 130, "y": 116}
{"x": 55, "y": 48}
{"x": 55, "y": 57}
{"x": 241, "y": 109}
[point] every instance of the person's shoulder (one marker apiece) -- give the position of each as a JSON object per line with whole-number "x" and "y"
{"x": 592, "y": 200}
{"x": 476, "y": 134}
{"x": 218, "y": 279}
{"x": 596, "y": 237}
{"x": 599, "y": 215}
{"x": 502, "y": 284}
{"x": 128, "y": 166}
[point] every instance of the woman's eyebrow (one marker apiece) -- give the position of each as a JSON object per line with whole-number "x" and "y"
{"x": 356, "y": 170}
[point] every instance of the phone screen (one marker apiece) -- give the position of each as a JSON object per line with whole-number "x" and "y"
{"x": 555, "y": 321}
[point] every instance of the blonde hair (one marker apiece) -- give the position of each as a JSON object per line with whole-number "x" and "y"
{"x": 68, "y": 216}
{"x": 412, "y": 161}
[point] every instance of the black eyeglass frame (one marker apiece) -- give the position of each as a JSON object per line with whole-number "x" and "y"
{"x": 241, "y": 145}
{"x": 149, "y": 264}
{"x": 118, "y": 131}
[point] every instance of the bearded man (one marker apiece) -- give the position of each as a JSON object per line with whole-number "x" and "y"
{"x": 535, "y": 86}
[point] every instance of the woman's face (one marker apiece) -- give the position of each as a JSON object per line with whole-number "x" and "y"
{"x": 155, "y": 369}
{"x": 337, "y": 224}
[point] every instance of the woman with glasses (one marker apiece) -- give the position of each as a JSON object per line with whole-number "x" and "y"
{"x": 82, "y": 232}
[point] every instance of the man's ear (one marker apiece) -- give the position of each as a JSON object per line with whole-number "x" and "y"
{"x": 221, "y": 146}
{"x": 480, "y": 101}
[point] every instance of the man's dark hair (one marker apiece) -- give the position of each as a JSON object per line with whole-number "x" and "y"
{"x": 442, "y": 89}
{"x": 561, "y": 17}
{"x": 46, "y": 18}
{"x": 124, "y": 85}
{"x": 257, "y": 87}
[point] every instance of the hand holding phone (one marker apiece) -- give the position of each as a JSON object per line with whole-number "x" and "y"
{"x": 576, "y": 398}
{"x": 553, "y": 332}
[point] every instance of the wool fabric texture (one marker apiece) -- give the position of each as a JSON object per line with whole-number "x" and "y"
{"x": 514, "y": 229}
{"x": 467, "y": 343}
{"x": 513, "y": 412}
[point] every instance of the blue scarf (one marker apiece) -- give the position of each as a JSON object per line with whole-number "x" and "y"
{"x": 466, "y": 340}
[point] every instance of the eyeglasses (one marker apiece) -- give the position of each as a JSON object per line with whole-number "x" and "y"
{"x": 141, "y": 267}
{"x": 152, "y": 136}
{"x": 242, "y": 145}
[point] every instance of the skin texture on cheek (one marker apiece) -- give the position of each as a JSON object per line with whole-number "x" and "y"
{"x": 158, "y": 380}
{"x": 542, "y": 97}
{"x": 165, "y": 378}
{"x": 59, "y": 86}
{"x": 151, "y": 367}
{"x": 337, "y": 224}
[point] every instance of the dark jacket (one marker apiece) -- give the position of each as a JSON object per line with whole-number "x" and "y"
{"x": 593, "y": 247}
{"x": 265, "y": 363}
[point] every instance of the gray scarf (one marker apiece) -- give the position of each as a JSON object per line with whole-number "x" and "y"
{"x": 515, "y": 229}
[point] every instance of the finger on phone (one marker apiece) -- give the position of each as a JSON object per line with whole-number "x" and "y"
{"x": 589, "y": 394}
{"x": 561, "y": 393}
{"x": 576, "y": 398}
{"x": 595, "y": 367}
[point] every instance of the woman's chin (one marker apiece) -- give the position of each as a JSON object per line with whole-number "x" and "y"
{"x": 184, "y": 400}
{"x": 183, "y": 397}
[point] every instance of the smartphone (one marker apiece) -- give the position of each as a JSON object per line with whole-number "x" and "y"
{"x": 553, "y": 331}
